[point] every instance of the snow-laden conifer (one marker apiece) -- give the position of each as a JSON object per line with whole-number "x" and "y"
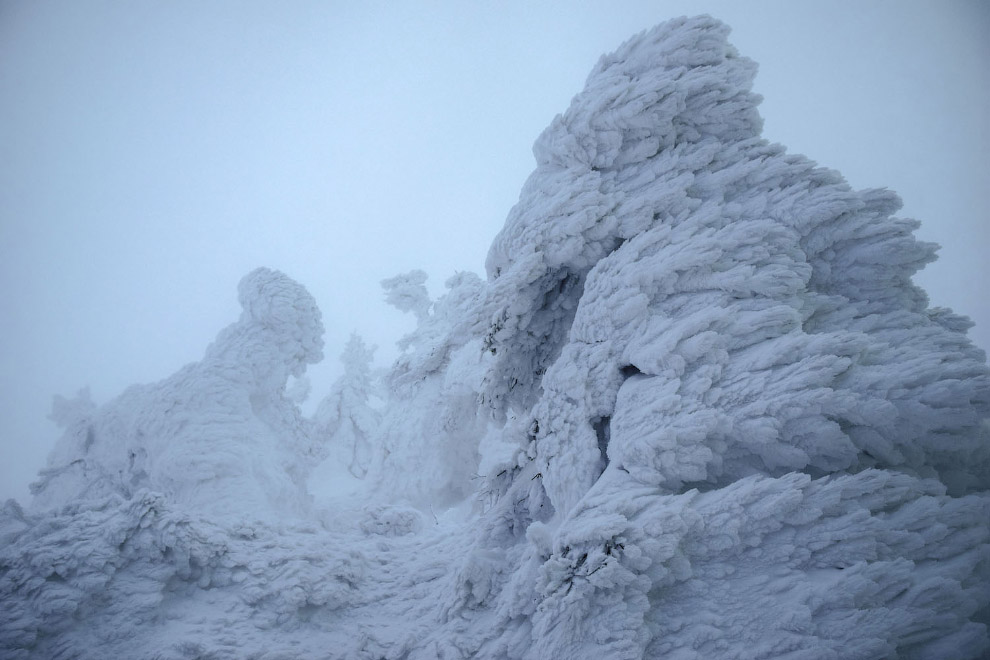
{"x": 345, "y": 417}
{"x": 432, "y": 425}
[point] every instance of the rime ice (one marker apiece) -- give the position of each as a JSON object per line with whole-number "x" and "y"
{"x": 220, "y": 436}
{"x": 697, "y": 410}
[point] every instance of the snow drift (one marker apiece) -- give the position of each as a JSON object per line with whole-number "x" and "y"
{"x": 697, "y": 410}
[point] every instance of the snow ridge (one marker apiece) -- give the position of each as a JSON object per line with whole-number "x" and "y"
{"x": 698, "y": 410}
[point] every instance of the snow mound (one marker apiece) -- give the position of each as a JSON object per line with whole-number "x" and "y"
{"x": 698, "y": 410}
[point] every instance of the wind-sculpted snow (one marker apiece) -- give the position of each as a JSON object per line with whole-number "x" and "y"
{"x": 219, "y": 435}
{"x": 698, "y": 411}
{"x": 764, "y": 307}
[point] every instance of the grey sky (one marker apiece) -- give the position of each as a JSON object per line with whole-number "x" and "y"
{"x": 155, "y": 152}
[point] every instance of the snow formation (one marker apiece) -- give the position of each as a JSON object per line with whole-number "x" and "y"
{"x": 698, "y": 410}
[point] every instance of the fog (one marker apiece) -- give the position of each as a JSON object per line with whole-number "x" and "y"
{"x": 154, "y": 153}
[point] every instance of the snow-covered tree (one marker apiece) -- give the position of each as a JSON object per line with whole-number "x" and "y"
{"x": 432, "y": 425}
{"x": 219, "y": 435}
{"x": 407, "y": 293}
{"x": 745, "y": 417}
{"x": 346, "y": 417}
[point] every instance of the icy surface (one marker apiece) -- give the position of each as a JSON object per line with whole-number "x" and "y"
{"x": 698, "y": 410}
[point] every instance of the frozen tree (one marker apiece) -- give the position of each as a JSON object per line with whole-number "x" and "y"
{"x": 432, "y": 425}
{"x": 699, "y": 407}
{"x": 218, "y": 435}
{"x": 407, "y": 293}
{"x": 346, "y": 417}
{"x": 712, "y": 335}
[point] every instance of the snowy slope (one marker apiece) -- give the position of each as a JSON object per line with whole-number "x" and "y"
{"x": 697, "y": 410}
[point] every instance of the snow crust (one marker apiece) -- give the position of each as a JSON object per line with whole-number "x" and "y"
{"x": 698, "y": 410}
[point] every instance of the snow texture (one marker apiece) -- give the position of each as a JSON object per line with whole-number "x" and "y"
{"x": 698, "y": 410}
{"x": 220, "y": 436}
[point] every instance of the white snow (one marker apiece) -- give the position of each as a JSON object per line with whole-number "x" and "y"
{"x": 698, "y": 410}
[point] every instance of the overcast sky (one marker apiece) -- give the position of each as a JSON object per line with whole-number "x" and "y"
{"x": 152, "y": 153}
